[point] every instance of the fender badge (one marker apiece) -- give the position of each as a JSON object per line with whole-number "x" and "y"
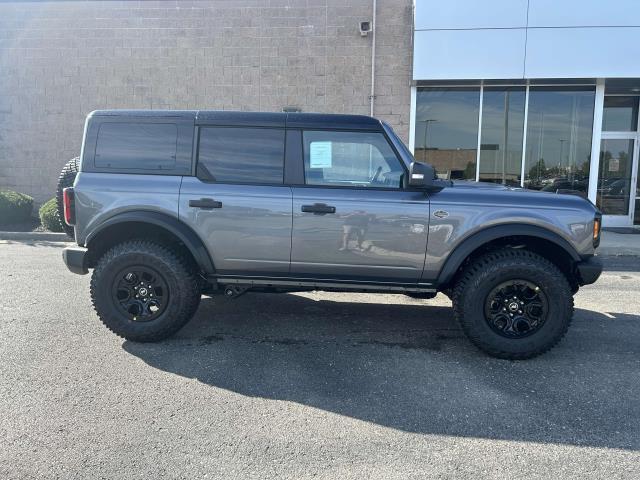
{"x": 440, "y": 214}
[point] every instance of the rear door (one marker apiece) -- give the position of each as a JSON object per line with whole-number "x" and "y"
{"x": 237, "y": 202}
{"x": 353, "y": 220}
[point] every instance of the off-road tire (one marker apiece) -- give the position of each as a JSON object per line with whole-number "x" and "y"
{"x": 66, "y": 179}
{"x": 182, "y": 285}
{"x": 484, "y": 274}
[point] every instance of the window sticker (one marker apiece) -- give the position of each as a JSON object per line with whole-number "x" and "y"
{"x": 320, "y": 155}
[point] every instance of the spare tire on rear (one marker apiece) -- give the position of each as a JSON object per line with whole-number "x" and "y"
{"x": 66, "y": 179}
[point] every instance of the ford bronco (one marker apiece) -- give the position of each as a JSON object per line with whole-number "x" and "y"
{"x": 169, "y": 205}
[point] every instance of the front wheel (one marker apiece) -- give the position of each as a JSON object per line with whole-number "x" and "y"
{"x": 144, "y": 292}
{"x": 513, "y": 304}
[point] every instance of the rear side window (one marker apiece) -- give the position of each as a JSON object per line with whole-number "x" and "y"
{"x": 241, "y": 155}
{"x": 139, "y": 146}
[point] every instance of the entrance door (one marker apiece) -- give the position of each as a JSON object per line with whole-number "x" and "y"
{"x": 617, "y": 195}
{"x": 617, "y": 179}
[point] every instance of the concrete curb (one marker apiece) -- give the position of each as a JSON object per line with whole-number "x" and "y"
{"x": 35, "y": 236}
{"x": 619, "y": 244}
{"x": 605, "y": 251}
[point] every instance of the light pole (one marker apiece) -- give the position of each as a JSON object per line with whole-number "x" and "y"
{"x": 426, "y": 129}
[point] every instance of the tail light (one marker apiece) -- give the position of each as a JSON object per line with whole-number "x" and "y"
{"x": 69, "y": 202}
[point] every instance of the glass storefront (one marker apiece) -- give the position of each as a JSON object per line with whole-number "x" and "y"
{"x": 457, "y": 127}
{"x": 538, "y": 137}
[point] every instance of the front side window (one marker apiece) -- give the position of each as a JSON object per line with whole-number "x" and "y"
{"x": 141, "y": 146}
{"x": 350, "y": 159}
{"x": 241, "y": 155}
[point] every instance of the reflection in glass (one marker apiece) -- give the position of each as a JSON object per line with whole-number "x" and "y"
{"x": 559, "y": 139}
{"x": 614, "y": 177}
{"x": 446, "y": 134}
{"x": 502, "y": 131}
{"x": 620, "y": 114}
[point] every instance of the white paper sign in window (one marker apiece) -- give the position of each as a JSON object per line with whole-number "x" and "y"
{"x": 320, "y": 155}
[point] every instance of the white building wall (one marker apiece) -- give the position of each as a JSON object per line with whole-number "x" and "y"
{"x": 501, "y": 39}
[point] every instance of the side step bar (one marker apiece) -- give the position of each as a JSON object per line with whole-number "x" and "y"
{"x": 322, "y": 284}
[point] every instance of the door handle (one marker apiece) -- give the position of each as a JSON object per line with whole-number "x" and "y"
{"x": 318, "y": 208}
{"x": 206, "y": 203}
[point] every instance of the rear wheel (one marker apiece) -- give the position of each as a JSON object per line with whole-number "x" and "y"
{"x": 66, "y": 179}
{"x": 513, "y": 304}
{"x": 143, "y": 291}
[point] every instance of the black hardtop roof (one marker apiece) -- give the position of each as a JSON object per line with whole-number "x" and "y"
{"x": 256, "y": 119}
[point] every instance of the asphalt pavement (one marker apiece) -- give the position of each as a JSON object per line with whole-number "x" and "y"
{"x": 313, "y": 385}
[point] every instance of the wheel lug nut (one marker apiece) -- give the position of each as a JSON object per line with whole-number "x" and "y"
{"x": 504, "y": 309}
{"x": 520, "y": 311}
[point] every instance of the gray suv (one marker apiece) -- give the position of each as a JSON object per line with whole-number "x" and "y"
{"x": 170, "y": 205}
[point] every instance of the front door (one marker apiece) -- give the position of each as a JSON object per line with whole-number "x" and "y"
{"x": 353, "y": 221}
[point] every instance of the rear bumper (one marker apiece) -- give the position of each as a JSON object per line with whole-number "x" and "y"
{"x": 589, "y": 270}
{"x": 74, "y": 258}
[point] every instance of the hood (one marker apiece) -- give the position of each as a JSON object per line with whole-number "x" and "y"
{"x": 482, "y": 185}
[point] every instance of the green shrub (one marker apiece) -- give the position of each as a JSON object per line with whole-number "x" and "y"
{"x": 49, "y": 216}
{"x": 15, "y": 207}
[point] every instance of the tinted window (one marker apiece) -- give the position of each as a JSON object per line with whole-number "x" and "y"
{"x": 148, "y": 146}
{"x": 358, "y": 159}
{"x": 241, "y": 155}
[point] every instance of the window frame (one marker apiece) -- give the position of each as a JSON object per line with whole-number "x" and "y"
{"x": 399, "y": 158}
{"x": 196, "y": 154}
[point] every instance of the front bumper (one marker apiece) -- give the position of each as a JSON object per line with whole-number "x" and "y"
{"x": 74, "y": 258}
{"x": 589, "y": 270}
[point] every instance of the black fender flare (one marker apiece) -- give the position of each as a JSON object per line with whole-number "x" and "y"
{"x": 172, "y": 224}
{"x": 478, "y": 239}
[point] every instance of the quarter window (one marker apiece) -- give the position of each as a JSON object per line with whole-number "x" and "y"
{"x": 350, "y": 159}
{"x": 140, "y": 146}
{"x": 241, "y": 155}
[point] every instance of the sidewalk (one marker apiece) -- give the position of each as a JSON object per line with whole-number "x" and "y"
{"x": 619, "y": 244}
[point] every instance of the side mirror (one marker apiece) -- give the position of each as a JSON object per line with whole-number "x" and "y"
{"x": 421, "y": 175}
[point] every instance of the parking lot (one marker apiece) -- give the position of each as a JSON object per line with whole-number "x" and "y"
{"x": 309, "y": 385}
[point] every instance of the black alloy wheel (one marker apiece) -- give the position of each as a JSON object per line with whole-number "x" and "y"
{"x": 516, "y": 308}
{"x": 141, "y": 293}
